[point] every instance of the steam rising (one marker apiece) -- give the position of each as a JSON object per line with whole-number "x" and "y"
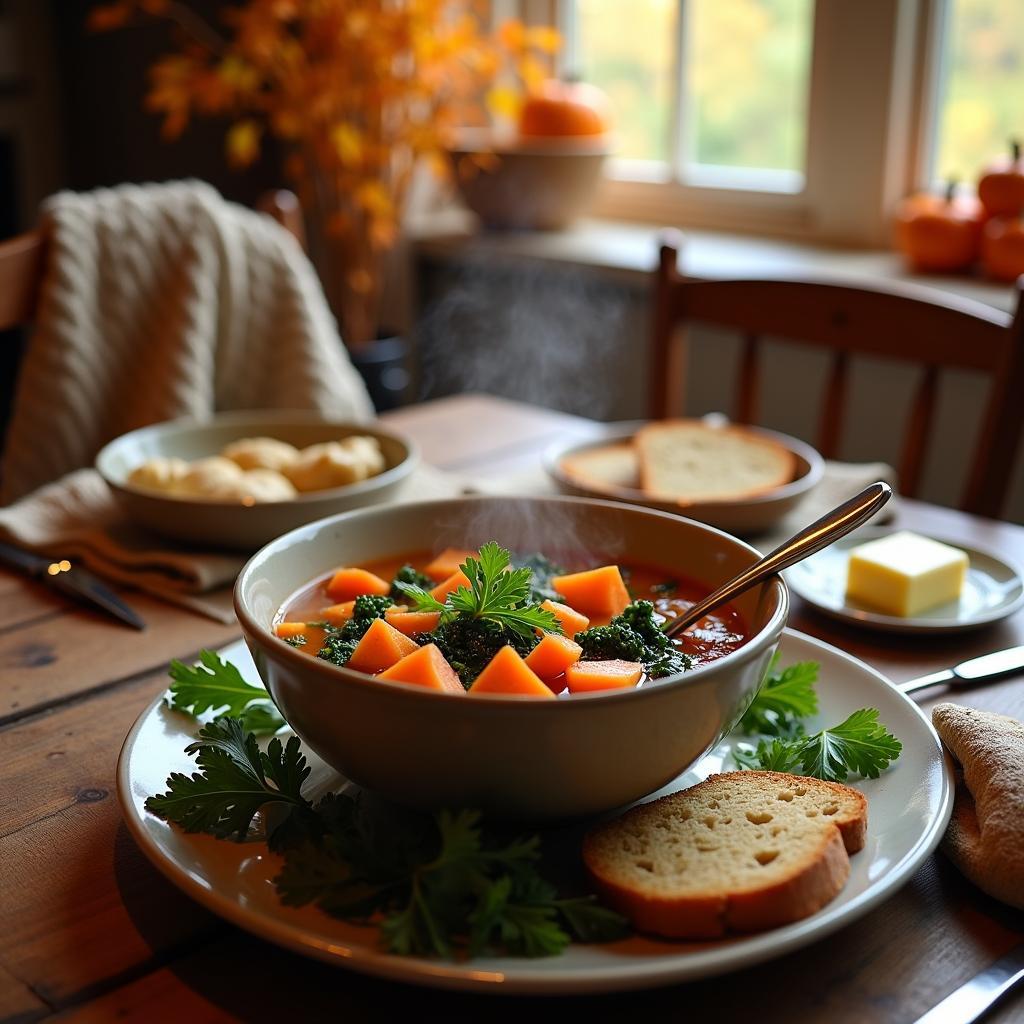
{"x": 544, "y": 334}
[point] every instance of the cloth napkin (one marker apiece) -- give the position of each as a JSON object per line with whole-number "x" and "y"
{"x": 841, "y": 480}
{"x": 985, "y": 838}
{"x": 165, "y": 301}
{"x": 79, "y": 518}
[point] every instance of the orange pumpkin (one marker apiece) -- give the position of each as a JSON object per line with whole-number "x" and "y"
{"x": 564, "y": 108}
{"x": 1002, "y": 247}
{"x": 1001, "y": 187}
{"x": 937, "y": 233}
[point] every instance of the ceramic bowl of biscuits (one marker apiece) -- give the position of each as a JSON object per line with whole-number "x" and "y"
{"x": 239, "y": 479}
{"x": 738, "y": 478}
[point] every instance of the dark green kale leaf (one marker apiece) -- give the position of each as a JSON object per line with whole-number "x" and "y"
{"x": 410, "y": 577}
{"x": 542, "y": 569}
{"x": 339, "y": 644}
{"x": 468, "y": 644}
{"x": 635, "y": 635}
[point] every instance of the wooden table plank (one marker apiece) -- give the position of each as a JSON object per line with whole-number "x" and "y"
{"x": 23, "y": 601}
{"x": 53, "y": 659}
{"x": 81, "y": 905}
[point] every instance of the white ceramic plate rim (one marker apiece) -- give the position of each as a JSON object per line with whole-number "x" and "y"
{"x": 259, "y": 419}
{"x": 890, "y": 623}
{"x": 625, "y": 430}
{"x": 637, "y": 971}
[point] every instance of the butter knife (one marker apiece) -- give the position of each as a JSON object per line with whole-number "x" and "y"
{"x": 971, "y": 1000}
{"x": 977, "y": 670}
{"x": 72, "y": 581}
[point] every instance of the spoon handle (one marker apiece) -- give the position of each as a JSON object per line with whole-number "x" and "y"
{"x": 830, "y": 527}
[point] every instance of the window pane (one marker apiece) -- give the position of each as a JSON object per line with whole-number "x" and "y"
{"x": 626, "y": 47}
{"x": 747, "y": 71}
{"x": 981, "y": 98}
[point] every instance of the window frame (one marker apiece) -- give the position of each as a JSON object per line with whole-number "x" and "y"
{"x": 871, "y": 120}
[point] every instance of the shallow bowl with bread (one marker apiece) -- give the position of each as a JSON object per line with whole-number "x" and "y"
{"x": 523, "y": 759}
{"x": 230, "y": 524}
{"x": 608, "y": 468}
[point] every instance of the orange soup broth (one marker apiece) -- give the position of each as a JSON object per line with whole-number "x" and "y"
{"x": 712, "y": 637}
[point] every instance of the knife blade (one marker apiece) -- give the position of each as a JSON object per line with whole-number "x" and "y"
{"x": 976, "y": 670}
{"x": 71, "y": 580}
{"x": 972, "y": 999}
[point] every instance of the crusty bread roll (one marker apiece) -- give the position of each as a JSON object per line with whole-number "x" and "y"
{"x": 689, "y": 460}
{"x": 158, "y": 473}
{"x": 741, "y": 851}
{"x": 611, "y": 465}
{"x": 261, "y": 453}
{"x": 985, "y": 838}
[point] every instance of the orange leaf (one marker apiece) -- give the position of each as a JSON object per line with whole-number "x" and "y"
{"x": 242, "y": 144}
{"x": 544, "y": 38}
{"x": 108, "y": 16}
{"x": 512, "y": 34}
{"x": 348, "y": 142}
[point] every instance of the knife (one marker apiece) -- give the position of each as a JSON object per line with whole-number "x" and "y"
{"x": 71, "y": 580}
{"x": 977, "y": 670}
{"x": 971, "y": 1000}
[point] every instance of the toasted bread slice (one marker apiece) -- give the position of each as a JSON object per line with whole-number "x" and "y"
{"x": 742, "y": 851}
{"x": 692, "y": 461}
{"x": 611, "y": 465}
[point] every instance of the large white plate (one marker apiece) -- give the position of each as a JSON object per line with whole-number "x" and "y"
{"x": 993, "y": 589}
{"x": 909, "y": 808}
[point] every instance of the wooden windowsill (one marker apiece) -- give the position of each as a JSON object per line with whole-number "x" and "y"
{"x": 629, "y": 251}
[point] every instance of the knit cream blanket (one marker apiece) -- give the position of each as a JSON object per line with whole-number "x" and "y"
{"x": 162, "y": 301}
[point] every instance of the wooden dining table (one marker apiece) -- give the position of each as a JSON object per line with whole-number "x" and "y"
{"x": 91, "y": 931}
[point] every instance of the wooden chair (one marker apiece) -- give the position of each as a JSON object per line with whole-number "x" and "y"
{"x": 907, "y": 323}
{"x": 23, "y": 259}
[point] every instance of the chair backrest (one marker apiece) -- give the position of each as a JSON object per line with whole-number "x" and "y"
{"x": 23, "y": 259}
{"x": 907, "y": 323}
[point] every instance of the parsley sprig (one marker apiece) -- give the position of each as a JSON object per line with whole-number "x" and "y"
{"x": 216, "y": 685}
{"x": 437, "y": 885}
{"x": 860, "y": 745}
{"x": 496, "y": 593}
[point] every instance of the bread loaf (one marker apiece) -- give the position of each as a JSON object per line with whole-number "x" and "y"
{"x": 691, "y": 461}
{"x": 743, "y": 851}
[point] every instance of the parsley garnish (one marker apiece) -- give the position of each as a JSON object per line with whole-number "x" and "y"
{"x": 436, "y": 884}
{"x": 217, "y": 686}
{"x": 860, "y": 745}
{"x": 497, "y": 593}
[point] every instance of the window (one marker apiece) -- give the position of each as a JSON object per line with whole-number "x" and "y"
{"x": 706, "y": 91}
{"x": 979, "y": 93}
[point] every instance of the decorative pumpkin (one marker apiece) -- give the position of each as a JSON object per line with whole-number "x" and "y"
{"x": 1001, "y": 187}
{"x": 937, "y": 233}
{"x": 559, "y": 108}
{"x": 1002, "y": 247}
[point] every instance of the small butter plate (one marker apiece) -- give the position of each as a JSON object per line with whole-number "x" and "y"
{"x": 993, "y": 589}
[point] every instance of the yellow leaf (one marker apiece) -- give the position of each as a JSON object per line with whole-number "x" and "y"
{"x": 242, "y": 144}
{"x": 504, "y": 101}
{"x": 544, "y": 38}
{"x": 348, "y": 142}
{"x": 373, "y": 197}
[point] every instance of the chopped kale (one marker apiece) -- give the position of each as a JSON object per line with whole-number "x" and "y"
{"x": 469, "y": 644}
{"x": 634, "y": 636}
{"x": 339, "y": 644}
{"x": 296, "y": 641}
{"x": 543, "y": 570}
{"x": 407, "y": 574}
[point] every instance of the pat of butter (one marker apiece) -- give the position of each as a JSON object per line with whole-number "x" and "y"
{"x": 904, "y": 574}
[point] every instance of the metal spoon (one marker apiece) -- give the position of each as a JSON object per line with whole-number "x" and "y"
{"x": 830, "y": 527}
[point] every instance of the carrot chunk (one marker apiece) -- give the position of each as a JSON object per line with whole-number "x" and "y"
{"x": 411, "y": 623}
{"x": 380, "y": 647}
{"x": 447, "y": 563}
{"x": 338, "y": 614}
{"x": 507, "y": 673}
{"x": 572, "y": 621}
{"x": 347, "y": 584}
{"x": 427, "y": 667}
{"x": 288, "y": 630}
{"x": 588, "y": 676}
{"x": 595, "y": 591}
{"x": 453, "y": 582}
{"x": 553, "y": 655}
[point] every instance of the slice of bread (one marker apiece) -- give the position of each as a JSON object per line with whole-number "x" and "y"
{"x": 692, "y": 461}
{"x": 743, "y": 851}
{"x": 610, "y": 466}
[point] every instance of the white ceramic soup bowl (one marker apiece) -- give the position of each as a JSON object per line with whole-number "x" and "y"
{"x": 510, "y": 756}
